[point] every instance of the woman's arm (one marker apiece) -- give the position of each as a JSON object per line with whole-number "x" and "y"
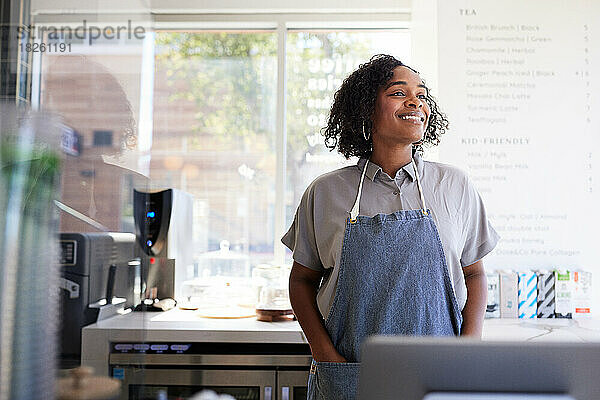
{"x": 474, "y": 311}
{"x": 304, "y": 283}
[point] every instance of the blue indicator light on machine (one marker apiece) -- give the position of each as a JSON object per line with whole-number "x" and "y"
{"x": 150, "y": 214}
{"x": 119, "y": 373}
{"x": 149, "y": 243}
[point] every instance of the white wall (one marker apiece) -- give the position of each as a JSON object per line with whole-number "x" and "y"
{"x": 218, "y": 6}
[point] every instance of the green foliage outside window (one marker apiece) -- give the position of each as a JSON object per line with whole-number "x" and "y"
{"x": 232, "y": 79}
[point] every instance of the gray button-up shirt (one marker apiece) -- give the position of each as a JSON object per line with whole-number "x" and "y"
{"x": 316, "y": 234}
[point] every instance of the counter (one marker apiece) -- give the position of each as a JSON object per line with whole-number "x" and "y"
{"x": 179, "y": 325}
{"x": 187, "y": 326}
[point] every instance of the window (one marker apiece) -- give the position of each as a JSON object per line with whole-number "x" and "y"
{"x": 103, "y": 138}
{"x": 215, "y": 123}
{"x": 214, "y": 137}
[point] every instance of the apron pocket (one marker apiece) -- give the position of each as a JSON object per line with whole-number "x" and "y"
{"x": 337, "y": 381}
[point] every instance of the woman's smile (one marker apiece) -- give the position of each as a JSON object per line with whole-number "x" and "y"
{"x": 417, "y": 118}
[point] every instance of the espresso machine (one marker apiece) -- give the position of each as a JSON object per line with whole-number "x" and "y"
{"x": 96, "y": 276}
{"x": 163, "y": 227}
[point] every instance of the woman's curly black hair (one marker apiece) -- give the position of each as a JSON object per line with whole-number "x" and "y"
{"x": 354, "y": 104}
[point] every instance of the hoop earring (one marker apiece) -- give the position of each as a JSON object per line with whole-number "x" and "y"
{"x": 365, "y": 133}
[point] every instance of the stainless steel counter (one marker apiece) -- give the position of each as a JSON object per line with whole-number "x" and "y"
{"x": 179, "y": 325}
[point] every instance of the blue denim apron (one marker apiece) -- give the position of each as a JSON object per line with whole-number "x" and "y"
{"x": 393, "y": 280}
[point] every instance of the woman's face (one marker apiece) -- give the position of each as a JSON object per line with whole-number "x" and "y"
{"x": 401, "y": 113}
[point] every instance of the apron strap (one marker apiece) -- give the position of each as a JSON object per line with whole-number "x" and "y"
{"x": 355, "y": 209}
{"x": 424, "y": 209}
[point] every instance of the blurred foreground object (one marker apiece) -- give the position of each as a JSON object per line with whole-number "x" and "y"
{"x": 210, "y": 395}
{"x": 29, "y": 183}
{"x": 82, "y": 385}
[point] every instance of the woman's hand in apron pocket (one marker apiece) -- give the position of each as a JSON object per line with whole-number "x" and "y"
{"x": 328, "y": 355}
{"x": 334, "y": 377}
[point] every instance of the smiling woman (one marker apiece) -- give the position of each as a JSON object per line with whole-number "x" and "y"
{"x": 395, "y": 253}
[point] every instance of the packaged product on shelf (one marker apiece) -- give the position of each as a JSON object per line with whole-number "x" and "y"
{"x": 582, "y": 293}
{"x": 545, "y": 295}
{"x": 509, "y": 302}
{"x": 493, "y": 296}
{"x": 563, "y": 294}
{"x": 527, "y": 295}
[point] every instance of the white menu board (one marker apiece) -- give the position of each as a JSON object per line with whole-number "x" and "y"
{"x": 520, "y": 83}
